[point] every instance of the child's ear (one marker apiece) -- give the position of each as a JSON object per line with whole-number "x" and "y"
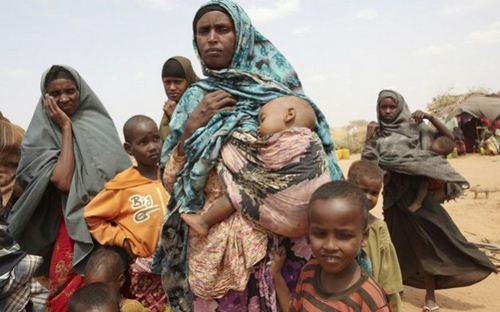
{"x": 290, "y": 115}
{"x": 364, "y": 241}
{"x": 127, "y": 148}
{"x": 121, "y": 280}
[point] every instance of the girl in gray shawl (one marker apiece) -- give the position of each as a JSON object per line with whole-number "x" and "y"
{"x": 432, "y": 252}
{"x": 71, "y": 148}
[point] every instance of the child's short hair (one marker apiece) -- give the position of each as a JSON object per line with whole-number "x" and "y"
{"x": 130, "y": 124}
{"x": 106, "y": 259}
{"x": 445, "y": 144}
{"x": 92, "y": 297}
{"x": 346, "y": 190}
{"x": 364, "y": 169}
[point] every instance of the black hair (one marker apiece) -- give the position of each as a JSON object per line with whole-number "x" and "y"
{"x": 445, "y": 144}
{"x": 58, "y": 72}
{"x": 93, "y": 296}
{"x": 204, "y": 10}
{"x": 172, "y": 68}
{"x": 107, "y": 260}
{"x": 131, "y": 123}
{"x": 364, "y": 169}
{"x": 344, "y": 189}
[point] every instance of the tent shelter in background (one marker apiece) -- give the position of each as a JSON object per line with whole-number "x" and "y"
{"x": 476, "y": 114}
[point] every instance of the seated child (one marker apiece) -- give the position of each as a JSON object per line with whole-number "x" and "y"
{"x": 442, "y": 145}
{"x": 129, "y": 212}
{"x": 333, "y": 280}
{"x": 94, "y": 297}
{"x": 275, "y": 116}
{"x": 106, "y": 266}
{"x": 369, "y": 177}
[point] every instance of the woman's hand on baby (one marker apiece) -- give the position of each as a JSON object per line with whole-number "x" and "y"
{"x": 419, "y": 116}
{"x": 371, "y": 129}
{"x": 169, "y": 107}
{"x": 55, "y": 113}
{"x": 211, "y": 104}
{"x": 278, "y": 260}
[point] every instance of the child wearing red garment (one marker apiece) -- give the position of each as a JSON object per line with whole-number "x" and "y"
{"x": 333, "y": 280}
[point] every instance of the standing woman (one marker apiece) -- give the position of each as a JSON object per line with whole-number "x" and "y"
{"x": 71, "y": 148}
{"x": 177, "y": 75}
{"x": 432, "y": 252}
{"x": 244, "y": 71}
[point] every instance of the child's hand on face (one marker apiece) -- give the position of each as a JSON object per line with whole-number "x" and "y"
{"x": 278, "y": 259}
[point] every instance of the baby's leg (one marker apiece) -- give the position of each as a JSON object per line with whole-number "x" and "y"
{"x": 201, "y": 224}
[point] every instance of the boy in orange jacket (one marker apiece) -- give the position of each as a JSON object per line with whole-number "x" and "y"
{"x": 129, "y": 212}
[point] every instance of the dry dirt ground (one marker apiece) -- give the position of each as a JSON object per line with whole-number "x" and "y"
{"x": 479, "y": 220}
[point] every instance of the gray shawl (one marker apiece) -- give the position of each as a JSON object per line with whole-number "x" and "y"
{"x": 99, "y": 156}
{"x": 402, "y": 146}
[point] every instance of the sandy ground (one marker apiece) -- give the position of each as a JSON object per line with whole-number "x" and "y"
{"x": 478, "y": 219}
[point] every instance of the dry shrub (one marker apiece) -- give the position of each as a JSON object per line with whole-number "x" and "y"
{"x": 351, "y": 136}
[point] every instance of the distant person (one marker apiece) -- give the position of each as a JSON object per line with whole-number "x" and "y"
{"x": 333, "y": 279}
{"x": 71, "y": 148}
{"x": 177, "y": 75}
{"x": 385, "y": 266}
{"x": 96, "y": 297}
{"x": 432, "y": 252}
{"x": 129, "y": 212}
{"x": 460, "y": 140}
{"x": 11, "y": 137}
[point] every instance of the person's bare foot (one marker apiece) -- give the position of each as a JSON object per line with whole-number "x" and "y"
{"x": 195, "y": 223}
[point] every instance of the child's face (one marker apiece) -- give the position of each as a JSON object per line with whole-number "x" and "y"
{"x": 272, "y": 118}
{"x": 387, "y": 109}
{"x": 372, "y": 188}
{"x": 335, "y": 233}
{"x": 145, "y": 144}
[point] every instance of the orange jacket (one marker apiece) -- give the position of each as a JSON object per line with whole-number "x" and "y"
{"x": 130, "y": 206}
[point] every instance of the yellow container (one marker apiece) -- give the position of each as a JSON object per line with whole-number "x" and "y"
{"x": 345, "y": 153}
{"x": 339, "y": 154}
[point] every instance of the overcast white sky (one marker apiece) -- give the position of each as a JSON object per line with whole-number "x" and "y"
{"x": 345, "y": 51}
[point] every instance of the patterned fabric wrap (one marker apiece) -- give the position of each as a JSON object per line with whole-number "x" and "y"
{"x": 271, "y": 180}
{"x": 146, "y": 286}
{"x": 64, "y": 281}
{"x": 402, "y": 146}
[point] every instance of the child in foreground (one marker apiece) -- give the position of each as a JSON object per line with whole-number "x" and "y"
{"x": 94, "y": 297}
{"x": 106, "y": 266}
{"x": 333, "y": 280}
{"x": 129, "y": 212}
{"x": 275, "y": 116}
{"x": 369, "y": 177}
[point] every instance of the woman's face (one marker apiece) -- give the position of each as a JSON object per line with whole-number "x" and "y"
{"x": 387, "y": 109}
{"x": 174, "y": 87}
{"x": 216, "y": 39}
{"x": 66, "y": 95}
